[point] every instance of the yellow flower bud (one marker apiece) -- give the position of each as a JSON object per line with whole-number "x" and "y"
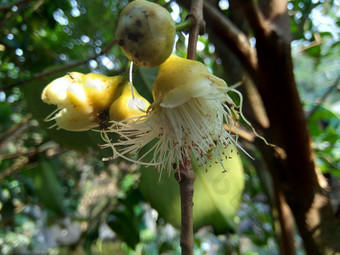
{"x": 81, "y": 99}
{"x": 101, "y": 90}
{"x": 127, "y": 106}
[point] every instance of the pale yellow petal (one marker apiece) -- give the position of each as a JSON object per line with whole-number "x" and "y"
{"x": 72, "y": 120}
{"x": 179, "y": 79}
{"x": 101, "y": 90}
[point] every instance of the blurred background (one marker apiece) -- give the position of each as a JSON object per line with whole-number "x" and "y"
{"x": 56, "y": 194}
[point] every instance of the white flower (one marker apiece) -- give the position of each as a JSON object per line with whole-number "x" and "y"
{"x": 186, "y": 119}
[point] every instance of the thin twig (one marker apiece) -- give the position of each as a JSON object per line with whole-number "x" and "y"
{"x": 19, "y": 153}
{"x": 11, "y": 131}
{"x": 15, "y": 167}
{"x": 57, "y": 70}
{"x": 27, "y": 157}
{"x": 18, "y": 3}
{"x": 323, "y": 98}
{"x": 197, "y": 25}
{"x": 307, "y": 10}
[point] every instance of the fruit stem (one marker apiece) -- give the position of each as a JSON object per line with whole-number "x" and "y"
{"x": 184, "y": 25}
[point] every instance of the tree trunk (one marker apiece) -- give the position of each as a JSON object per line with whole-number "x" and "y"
{"x": 292, "y": 163}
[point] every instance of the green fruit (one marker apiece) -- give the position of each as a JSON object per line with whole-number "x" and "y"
{"x": 146, "y": 33}
{"x": 217, "y": 195}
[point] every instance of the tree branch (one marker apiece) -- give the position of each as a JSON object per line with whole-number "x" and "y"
{"x": 323, "y": 98}
{"x": 295, "y": 172}
{"x": 232, "y": 36}
{"x": 197, "y": 25}
{"x": 286, "y": 228}
{"x": 63, "y": 68}
{"x": 307, "y": 9}
{"x": 11, "y": 131}
{"x": 16, "y": 166}
{"x": 185, "y": 178}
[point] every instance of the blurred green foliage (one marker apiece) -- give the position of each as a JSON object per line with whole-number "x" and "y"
{"x": 58, "y": 197}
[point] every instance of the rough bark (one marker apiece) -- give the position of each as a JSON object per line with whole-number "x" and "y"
{"x": 292, "y": 163}
{"x": 185, "y": 178}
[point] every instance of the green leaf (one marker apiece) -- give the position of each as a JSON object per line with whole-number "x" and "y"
{"x": 48, "y": 187}
{"x": 322, "y": 118}
{"x": 5, "y": 113}
{"x": 217, "y": 195}
{"x": 143, "y": 79}
{"x": 124, "y": 221}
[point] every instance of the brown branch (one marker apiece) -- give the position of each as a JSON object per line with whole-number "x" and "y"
{"x": 19, "y": 153}
{"x": 255, "y": 18}
{"x": 232, "y": 36}
{"x": 27, "y": 157}
{"x": 185, "y": 178}
{"x": 197, "y": 25}
{"x": 16, "y": 166}
{"x": 218, "y": 24}
{"x": 296, "y": 173}
{"x": 63, "y": 68}
{"x": 286, "y": 228}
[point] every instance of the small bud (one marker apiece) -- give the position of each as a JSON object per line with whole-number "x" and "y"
{"x": 127, "y": 106}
